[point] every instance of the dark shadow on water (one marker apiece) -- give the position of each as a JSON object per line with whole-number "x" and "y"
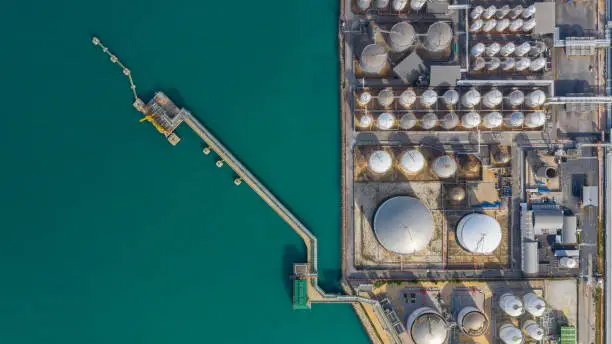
{"x": 329, "y": 280}
{"x": 291, "y": 255}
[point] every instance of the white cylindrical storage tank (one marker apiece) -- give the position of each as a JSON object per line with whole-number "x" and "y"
{"x": 403, "y": 225}
{"x": 529, "y": 12}
{"x": 492, "y": 98}
{"x": 511, "y": 304}
{"x": 399, "y": 5}
{"x": 534, "y": 304}
{"x": 412, "y": 161}
{"x": 515, "y": 98}
{"x": 438, "y": 37}
{"x": 535, "y": 99}
{"x": 503, "y": 12}
{"x": 382, "y": 4}
{"x": 429, "y": 121}
{"x": 476, "y": 25}
{"x": 470, "y": 98}
{"x": 476, "y": 12}
{"x": 363, "y": 4}
{"x": 364, "y": 98}
{"x": 489, "y": 25}
{"x": 502, "y": 25}
{"x": 407, "y": 98}
{"x": 516, "y": 12}
{"x": 477, "y": 49}
{"x": 385, "y": 97}
{"x": 510, "y": 334}
{"x": 417, "y": 5}
{"x": 479, "y": 233}
{"x": 478, "y": 64}
{"x": 515, "y": 119}
{"x": 492, "y": 49}
{"x": 533, "y": 330}
{"x": 449, "y": 121}
{"x": 429, "y": 98}
{"x": 472, "y": 321}
{"x": 444, "y": 166}
{"x": 508, "y": 64}
{"x": 535, "y": 119}
{"x": 365, "y": 121}
{"x": 489, "y": 12}
{"x": 493, "y": 64}
{"x": 373, "y": 58}
{"x": 492, "y": 120}
{"x": 408, "y": 121}
{"x": 567, "y": 262}
{"x": 385, "y": 121}
{"x": 508, "y": 49}
{"x": 516, "y": 25}
{"x": 537, "y": 64}
{"x": 470, "y": 120}
{"x": 380, "y": 162}
{"x": 529, "y": 25}
{"x": 522, "y": 64}
{"x": 401, "y": 36}
{"x": 523, "y": 49}
{"x": 426, "y": 326}
{"x": 450, "y": 98}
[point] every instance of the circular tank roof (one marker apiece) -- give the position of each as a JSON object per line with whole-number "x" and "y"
{"x": 401, "y": 36}
{"x": 429, "y": 121}
{"x": 449, "y": 121}
{"x": 412, "y": 161}
{"x": 450, "y": 97}
{"x": 365, "y": 121}
{"x": 403, "y": 225}
{"x": 408, "y": 121}
{"x": 381, "y": 4}
{"x": 407, "y": 98}
{"x": 535, "y": 98}
{"x": 515, "y": 119}
{"x": 516, "y": 98}
{"x": 429, "y": 97}
{"x": 385, "y": 97}
{"x": 429, "y": 328}
{"x": 439, "y": 36}
{"x": 470, "y": 120}
{"x": 399, "y": 5}
{"x": 493, "y": 120}
{"x": 479, "y": 233}
{"x": 373, "y": 58}
{"x": 364, "y": 98}
{"x": 385, "y": 121}
{"x": 380, "y": 161}
{"x": 492, "y": 98}
{"x": 444, "y": 166}
{"x": 535, "y": 119}
{"x": 363, "y": 4}
{"x": 470, "y": 98}
{"x": 510, "y": 334}
{"x": 474, "y": 323}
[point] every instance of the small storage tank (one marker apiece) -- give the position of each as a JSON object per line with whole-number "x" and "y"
{"x": 429, "y": 98}
{"x": 523, "y": 49}
{"x": 529, "y": 12}
{"x": 529, "y": 25}
{"x": 492, "y": 98}
{"x": 489, "y": 12}
{"x": 503, "y": 12}
{"x": 508, "y": 49}
{"x": 399, "y": 5}
{"x": 522, "y": 64}
{"x": 515, "y": 119}
{"x": 502, "y": 25}
{"x": 364, "y": 98}
{"x": 426, "y": 326}
{"x": 408, "y": 121}
{"x": 429, "y": 121}
{"x": 534, "y": 304}
{"x": 515, "y": 98}
{"x": 470, "y": 120}
{"x": 476, "y": 12}
{"x": 537, "y": 64}
{"x": 385, "y": 121}
{"x": 470, "y": 98}
{"x": 449, "y": 121}
{"x": 508, "y": 64}
{"x": 412, "y": 161}
{"x": 401, "y": 36}
{"x": 493, "y": 64}
{"x": 535, "y": 119}
{"x": 450, "y": 98}
{"x": 478, "y": 49}
{"x": 365, "y": 121}
{"x": 568, "y": 263}
{"x": 407, "y": 98}
{"x": 492, "y": 49}
{"x": 533, "y": 330}
{"x": 511, "y": 304}
{"x": 380, "y": 162}
{"x": 470, "y": 319}
{"x": 516, "y": 12}
{"x": 476, "y": 25}
{"x": 510, "y": 334}
{"x": 363, "y": 4}
{"x": 489, "y": 25}
{"x": 444, "y": 166}
{"x": 501, "y": 155}
{"x": 546, "y": 172}
{"x": 438, "y": 37}
{"x": 373, "y": 58}
{"x": 492, "y": 120}
{"x": 417, "y": 5}
{"x": 385, "y": 97}
{"x": 478, "y": 64}
{"x": 535, "y": 99}
{"x": 382, "y": 4}
{"x": 516, "y": 25}
{"x": 456, "y": 194}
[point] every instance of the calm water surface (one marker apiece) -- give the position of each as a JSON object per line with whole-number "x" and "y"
{"x": 109, "y": 234}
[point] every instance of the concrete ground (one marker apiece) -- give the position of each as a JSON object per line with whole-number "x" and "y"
{"x": 561, "y": 297}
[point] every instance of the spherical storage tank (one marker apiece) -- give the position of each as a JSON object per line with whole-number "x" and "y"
{"x": 516, "y": 12}
{"x": 515, "y": 119}
{"x": 533, "y": 330}
{"x": 444, "y": 166}
{"x": 492, "y": 49}
{"x": 449, "y": 121}
{"x": 502, "y": 25}
{"x": 407, "y": 98}
{"x": 515, "y": 98}
{"x": 537, "y": 64}
{"x": 478, "y": 233}
{"x": 373, "y": 58}
{"x": 534, "y": 305}
{"x": 516, "y": 25}
{"x": 529, "y": 12}
{"x": 470, "y": 98}
{"x": 492, "y": 98}
{"x": 478, "y": 64}
{"x": 477, "y": 49}
{"x": 403, "y": 225}
{"x": 535, "y": 119}
{"x": 489, "y": 12}
{"x": 412, "y": 161}
{"x": 380, "y": 161}
{"x": 510, "y": 334}
{"x": 476, "y": 25}
{"x": 470, "y": 120}
{"x": 503, "y": 12}
{"x": 472, "y": 321}
{"x": 522, "y": 49}
{"x": 399, "y": 5}
{"x": 508, "y": 49}
{"x": 493, "y": 64}
{"x": 522, "y": 64}
{"x": 438, "y": 37}
{"x": 429, "y": 98}
{"x": 408, "y": 121}
{"x": 511, "y": 304}
{"x": 385, "y": 97}
{"x": 364, "y": 4}
{"x": 535, "y": 98}
{"x": 426, "y": 326}
{"x": 364, "y": 98}
{"x": 429, "y": 121}
{"x": 416, "y": 5}
{"x": 401, "y": 36}
{"x": 385, "y": 121}
{"x": 489, "y": 25}
{"x": 493, "y": 120}
{"x": 382, "y": 4}
{"x": 365, "y": 121}
{"x": 529, "y": 25}
{"x": 450, "y": 98}
{"x": 508, "y": 64}
{"x": 476, "y": 12}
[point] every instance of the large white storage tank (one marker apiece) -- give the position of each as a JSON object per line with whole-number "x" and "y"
{"x": 489, "y": 25}
{"x": 470, "y": 120}
{"x": 492, "y": 120}
{"x": 534, "y": 305}
{"x": 493, "y": 64}
{"x": 508, "y": 49}
{"x": 438, "y": 37}
{"x": 515, "y": 98}
{"x": 522, "y": 64}
{"x": 478, "y": 64}
{"x": 412, "y": 161}
{"x": 502, "y": 25}
{"x": 401, "y": 36}
{"x": 523, "y": 49}
{"x": 450, "y": 98}
{"x": 385, "y": 97}
{"x": 380, "y": 162}
{"x": 516, "y": 12}
{"x": 478, "y": 49}
{"x": 449, "y": 121}
{"x": 492, "y": 98}
{"x": 535, "y": 98}
{"x": 407, "y": 98}
{"x": 479, "y": 233}
{"x": 429, "y": 121}
{"x": 385, "y": 121}
{"x": 529, "y": 12}
{"x": 533, "y": 330}
{"x": 529, "y": 25}
{"x": 489, "y": 12}
{"x": 426, "y": 326}
{"x": 444, "y": 166}
{"x": 476, "y": 25}
{"x": 503, "y": 12}
{"x": 515, "y": 119}
{"x": 537, "y": 64}
{"x": 511, "y": 304}
{"x": 373, "y": 58}
{"x": 508, "y": 64}
{"x": 535, "y": 119}
{"x": 472, "y": 321}
{"x": 492, "y": 49}
{"x": 408, "y": 121}
{"x": 470, "y": 98}
{"x": 429, "y": 98}
{"x": 510, "y": 334}
{"x": 516, "y": 25}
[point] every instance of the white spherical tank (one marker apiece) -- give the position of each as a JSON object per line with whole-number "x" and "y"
{"x": 426, "y": 326}
{"x": 535, "y": 119}
{"x": 515, "y": 119}
{"x": 503, "y": 12}
{"x": 529, "y": 12}
{"x": 470, "y": 120}
{"x": 450, "y": 98}
{"x": 380, "y": 162}
{"x": 529, "y": 25}
{"x": 508, "y": 49}
{"x": 479, "y": 233}
{"x": 449, "y": 121}
{"x": 492, "y": 49}
{"x": 429, "y": 121}
{"x": 438, "y": 37}
{"x": 401, "y": 36}
{"x": 516, "y": 12}
{"x": 365, "y": 121}
{"x": 508, "y": 64}
{"x": 476, "y": 25}
{"x": 478, "y": 64}
{"x": 538, "y": 64}
{"x": 523, "y": 49}
{"x": 373, "y": 58}
{"x": 492, "y": 98}
{"x": 417, "y": 5}
{"x": 412, "y": 161}
{"x": 533, "y": 330}
{"x": 408, "y": 121}
{"x": 502, "y": 25}
{"x": 511, "y": 304}
{"x": 515, "y": 98}
{"x": 472, "y": 321}
{"x": 364, "y": 98}
{"x": 385, "y": 97}
{"x": 385, "y": 121}
{"x": 535, "y": 99}
{"x": 399, "y": 5}
{"x": 516, "y": 25}
{"x": 444, "y": 166}
{"x": 382, "y": 4}
{"x": 407, "y": 98}
{"x": 364, "y": 4}
{"x": 534, "y": 304}
{"x": 568, "y": 263}
{"x": 478, "y": 49}
{"x": 489, "y": 25}
{"x": 470, "y": 98}
{"x": 493, "y": 64}
{"x": 476, "y": 12}
{"x": 489, "y": 12}
{"x": 429, "y": 98}
{"x": 522, "y": 64}
{"x": 510, "y": 334}
{"x": 492, "y": 120}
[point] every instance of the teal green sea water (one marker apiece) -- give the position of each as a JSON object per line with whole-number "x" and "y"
{"x": 109, "y": 234}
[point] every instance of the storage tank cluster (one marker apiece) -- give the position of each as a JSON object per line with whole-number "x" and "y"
{"x": 515, "y": 307}
{"x": 509, "y": 64}
{"x": 393, "y": 5}
{"x": 412, "y": 161}
{"x": 502, "y": 20}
